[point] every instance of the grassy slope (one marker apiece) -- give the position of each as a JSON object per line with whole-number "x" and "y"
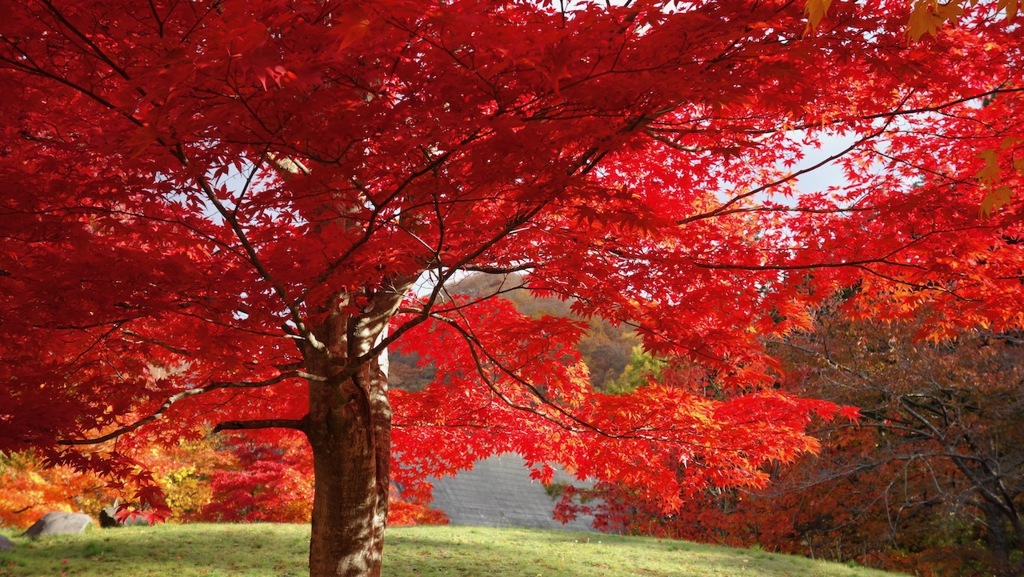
{"x": 268, "y": 550}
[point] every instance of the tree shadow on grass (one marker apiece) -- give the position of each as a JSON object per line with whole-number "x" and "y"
{"x": 243, "y": 551}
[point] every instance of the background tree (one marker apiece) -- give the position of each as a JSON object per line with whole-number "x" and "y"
{"x": 31, "y": 490}
{"x": 210, "y": 480}
{"x": 218, "y": 211}
{"x": 939, "y": 466}
{"x": 929, "y": 480}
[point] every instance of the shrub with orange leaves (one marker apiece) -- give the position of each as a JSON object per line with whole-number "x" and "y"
{"x": 29, "y": 489}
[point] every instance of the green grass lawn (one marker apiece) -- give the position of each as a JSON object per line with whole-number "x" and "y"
{"x": 271, "y": 550}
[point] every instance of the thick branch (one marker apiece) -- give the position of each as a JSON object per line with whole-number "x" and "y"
{"x": 182, "y": 395}
{"x": 297, "y": 424}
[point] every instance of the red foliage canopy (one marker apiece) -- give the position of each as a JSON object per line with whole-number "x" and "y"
{"x": 211, "y": 211}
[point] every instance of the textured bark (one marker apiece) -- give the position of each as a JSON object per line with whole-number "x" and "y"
{"x": 349, "y": 429}
{"x": 996, "y": 539}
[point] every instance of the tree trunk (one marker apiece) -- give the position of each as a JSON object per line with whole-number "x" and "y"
{"x": 350, "y": 437}
{"x": 995, "y": 537}
{"x": 349, "y": 429}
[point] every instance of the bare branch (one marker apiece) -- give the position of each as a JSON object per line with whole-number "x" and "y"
{"x": 182, "y": 395}
{"x": 297, "y": 424}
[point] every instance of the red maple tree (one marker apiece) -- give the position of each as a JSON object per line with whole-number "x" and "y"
{"x": 226, "y": 211}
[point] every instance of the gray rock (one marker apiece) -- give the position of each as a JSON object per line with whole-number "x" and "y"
{"x": 59, "y": 523}
{"x": 134, "y": 521}
{"x": 5, "y": 544}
